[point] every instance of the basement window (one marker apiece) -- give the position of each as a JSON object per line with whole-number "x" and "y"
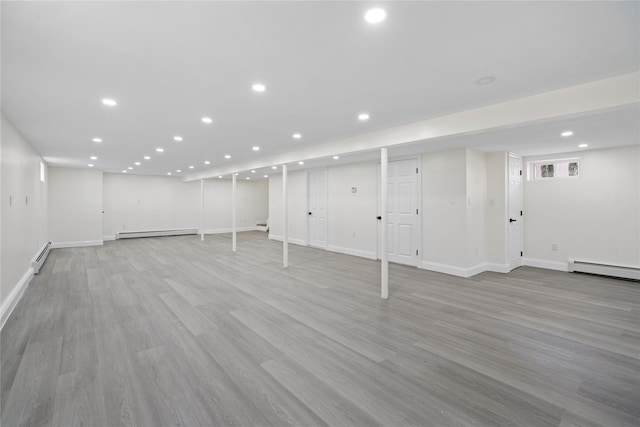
{"x": 552, "y": 169}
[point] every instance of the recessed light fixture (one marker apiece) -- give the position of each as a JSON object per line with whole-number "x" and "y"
{"x": 124, "y": 171}
{"x": 567, "y": 133}
{"x": 177, "y": 138}
{"x": 93, "y": 158}
{"x": 97, "y": 140}
{"x": 266, "y": 176}
{"x": 109, "y": 102}
{"x": 160, "y": 150}
{"x": 375, "y": 16}
{"x": 147, "y": 158}
{"x": 137, "y": 163}
{"x": 259, "y": 87}
{"x": 247, "y": 178}
{"x": 583, "y": 145}
{"x": 297, "y": 136}
{"x": 253, "y": 171}
{"x": 363, "y": 116}
{"x": 178, "y": 170}
{"x": 130, "y": 168}
{"x": 227, "y": 156}
{"x": 207, "y": 120}
{"x": 301, "y": 163}
{"x": 168, "y": 173}
{"x": 336, "y": 157}
{"x": 274, "y": 167}
{"x": 207, "y": 162}
{"x": 255, "y": 148}
{"x": 486, "y": 80}
{"x": 190, "y": 167}
{"x": 236, "y": 174}
{"x": 220, "y": 176}
{"x": 90, "y": 165}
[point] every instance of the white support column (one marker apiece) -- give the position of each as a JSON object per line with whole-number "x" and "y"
{"x": 285, "y": 238}
{"x": 202, "y": 210}
{"x": 233, "y": 212}
{"x": 384, "y": 241}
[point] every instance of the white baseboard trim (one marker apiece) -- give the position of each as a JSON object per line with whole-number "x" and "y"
{"x": 78, "y": 244}
{"x": 14, "y": 297}
{"x": 448, "y": 269}
{"x": 228, "y": 230}
{"x": 109, "y": 238}
{"x": 496, "y": 268}
{"x": 549, "y": 265}
{"x": 354, "y": 252}
{"x": 292, "y": 240}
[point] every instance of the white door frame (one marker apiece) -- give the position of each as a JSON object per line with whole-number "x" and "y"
{"x": 521, "y": 217}
{"x": 308, "y": 206}
{"x": 418, "y": 159}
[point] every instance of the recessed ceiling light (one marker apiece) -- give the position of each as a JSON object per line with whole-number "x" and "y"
{"x": 90, "y": 165}
{"x": 301, "y": 163}
{"x": 160, "y": 150}
{"x": 363, "y": 116}
{"x": 168, "y": 173}
{"x": 207, "y": 120}
{"x": 190, "y": 167}
{"x": 255, "y": 148}
{"x": 375, "y": 16}
{"x": 220, "y": 176}
{"x": 274, "y": 167}
{"x": 178, "y": 170}
{"x": 253, "y": 171}
{"x": 124, "y": 171}
{"x": 485, "y": 80}
{"x": 130, "y": 168}
{"x": 266, "y": 176}
{"x": 93, "y": 158}
{"x": 177, "y": 138}
{"x": 97, "y": 140}
{"x": 227, "y": 156}
{"x": 109, "y": 102}
{"x": 147, "y": 158}
{"x": 297, "y": 136}
{"x": 336, "y": 157}
{"x": 247, "y": 178}
{"x": 583, "y": 145}
{"x": 567, "y": 133}
{"x": 137, "y": 163}
{"x": 236, "y": 174}
{"x": 207, "y": 162}
{"x": 259, "y": 87}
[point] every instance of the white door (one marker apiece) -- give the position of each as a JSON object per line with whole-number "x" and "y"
{"x": 515, "y": 211}
{"x": 318, "y": 208}
{"x": 402, "y": 212}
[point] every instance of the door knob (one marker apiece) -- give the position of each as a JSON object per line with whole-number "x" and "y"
{"x": 309, "y": 213}
{"x": 378, "y": 218}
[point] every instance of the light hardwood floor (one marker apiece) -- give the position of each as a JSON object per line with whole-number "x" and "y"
{"x": 174, "y": 331}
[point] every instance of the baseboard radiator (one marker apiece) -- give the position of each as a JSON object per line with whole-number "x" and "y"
{"x": 155, "y": 233}
{"x": 39, "y": 260}
{"x": 632, "y": 273}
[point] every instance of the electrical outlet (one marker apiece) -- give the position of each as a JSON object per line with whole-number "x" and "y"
{"x": 354, "y": 234}
{"x": 554, "y": 246}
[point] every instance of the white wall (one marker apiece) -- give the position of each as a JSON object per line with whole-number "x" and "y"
{"x": 75, "y": 207}
{"x": 23, "y": 225}
{"x": 297, "y": 203}
{"x": 138, "y": 203}
{"x": 595, "y": 217}
{"x": 476, "y": 183}
{"x": 496, "y": 243}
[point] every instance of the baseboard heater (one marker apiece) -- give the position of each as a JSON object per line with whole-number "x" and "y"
{"x": 632, "y": 273}
{"x": 39, "y": 260}
{"x": 155, "y": 233}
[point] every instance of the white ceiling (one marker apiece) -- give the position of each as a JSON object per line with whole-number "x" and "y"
{"x": 170, "y": 63}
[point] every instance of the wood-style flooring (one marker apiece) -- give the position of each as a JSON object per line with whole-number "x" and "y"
{"x": 174, "y": 331}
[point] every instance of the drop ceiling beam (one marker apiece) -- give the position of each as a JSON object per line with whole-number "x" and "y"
{"x": 589, "y": 97}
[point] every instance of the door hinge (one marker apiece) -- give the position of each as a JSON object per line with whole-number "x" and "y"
{"x": 416, "y": 252}
{"x": 416, "y": 170}
{"x": 521, "y": 172}
{"x": 521, "y": 253}
{"x": 416, "y": 211}
{"x": 520, "y": 213}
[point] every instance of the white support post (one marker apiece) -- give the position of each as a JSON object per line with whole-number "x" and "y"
{"x": 233, "y": 212}
{"x": 384, "y": 241}
{"x": 285, "y": 238}
{"x": 202, "y": 210}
